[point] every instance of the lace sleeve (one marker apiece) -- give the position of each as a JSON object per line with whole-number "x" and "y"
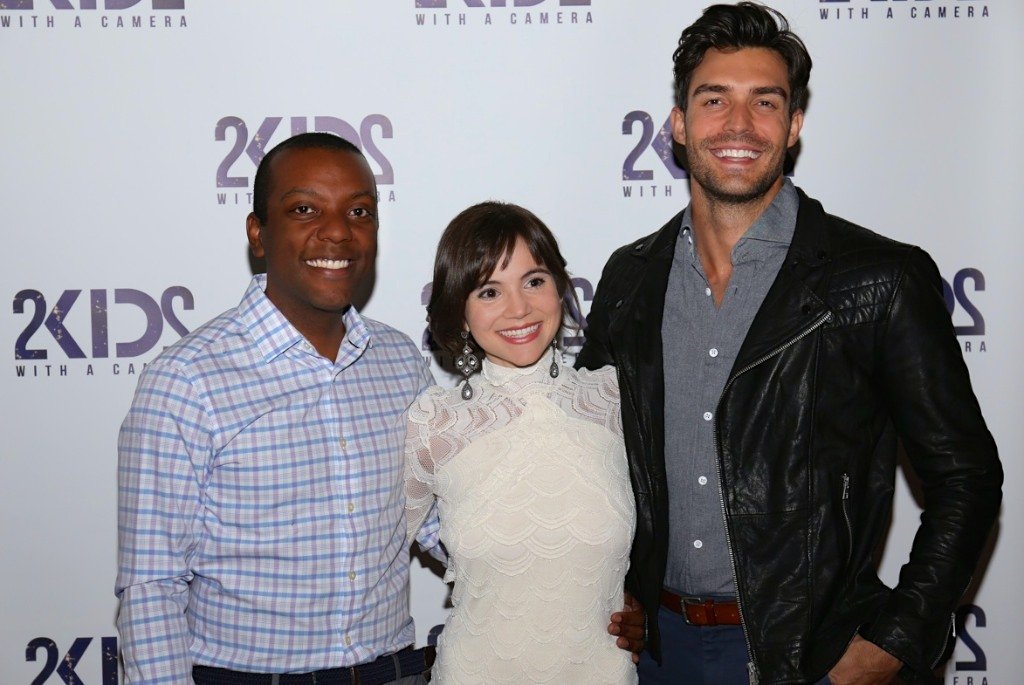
{"x": 597, "y": 398}
{"x": 432, "y": 439}
{"x": 609, "y": 389}
{"x": 419, "y": 465}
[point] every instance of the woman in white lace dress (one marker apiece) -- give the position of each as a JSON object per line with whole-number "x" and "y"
{"x": 526, "y": 464}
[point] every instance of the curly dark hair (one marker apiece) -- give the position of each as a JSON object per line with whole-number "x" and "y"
{"x": 745, "y": 25}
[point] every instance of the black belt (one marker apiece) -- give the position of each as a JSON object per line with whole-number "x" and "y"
{"x": 385, "y": 669}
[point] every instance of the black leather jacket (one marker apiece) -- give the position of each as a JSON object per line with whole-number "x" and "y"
{"x": 851, "y": 349}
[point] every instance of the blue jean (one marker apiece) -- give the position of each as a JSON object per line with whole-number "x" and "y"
{"x": 695, "y": 655}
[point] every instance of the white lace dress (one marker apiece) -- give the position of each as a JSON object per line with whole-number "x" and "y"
{"x": 537, "y": 517}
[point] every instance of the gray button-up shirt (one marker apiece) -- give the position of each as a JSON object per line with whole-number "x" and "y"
{"x": 700, "y": 342}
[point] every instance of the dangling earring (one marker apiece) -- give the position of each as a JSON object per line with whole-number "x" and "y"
{"x": 466, "y": 363}
{"x": 554, "y": 359}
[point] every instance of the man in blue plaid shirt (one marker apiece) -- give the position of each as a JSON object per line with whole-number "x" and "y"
{"x": 260, "y": 509}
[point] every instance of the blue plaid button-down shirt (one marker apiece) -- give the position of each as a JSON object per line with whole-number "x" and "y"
{"x": 261, "y": 510}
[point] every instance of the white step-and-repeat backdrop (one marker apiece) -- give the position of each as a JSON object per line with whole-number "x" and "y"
{"x": 130, "y": 131}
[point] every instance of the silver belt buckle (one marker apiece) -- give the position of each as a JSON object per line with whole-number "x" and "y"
{"x": 689, "y": 601}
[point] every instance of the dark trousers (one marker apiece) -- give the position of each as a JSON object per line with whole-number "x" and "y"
{"x": 694, "y": 655}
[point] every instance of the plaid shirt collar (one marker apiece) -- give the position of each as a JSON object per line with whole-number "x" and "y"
{"x": 274, "y": 334}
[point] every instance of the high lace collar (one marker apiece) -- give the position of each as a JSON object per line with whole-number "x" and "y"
{"x": 513, "y": 380}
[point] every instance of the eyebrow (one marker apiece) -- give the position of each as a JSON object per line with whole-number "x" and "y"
{"x": 319, "y": 196}
{"x": 708, "y": 88}
{"x": 771, "y": 90}
{"x": 300, "y": 191}
{"x": 760, "y": 90}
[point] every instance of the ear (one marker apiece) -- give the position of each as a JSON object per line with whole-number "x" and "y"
{"x": 678, "y": 118}
{"x": 254, "y": 232}
{"x": 796, "y": 123}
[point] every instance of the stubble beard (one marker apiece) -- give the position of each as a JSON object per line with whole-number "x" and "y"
{"x": 703, "y": 174}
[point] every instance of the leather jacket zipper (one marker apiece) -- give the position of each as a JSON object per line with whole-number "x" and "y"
{"x": 942, "y": 648}
{"x": 752, "y": 669}
{"x": 846, "y": 517}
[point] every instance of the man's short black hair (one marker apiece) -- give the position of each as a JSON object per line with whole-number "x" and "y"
{"x": 303, "y": 141}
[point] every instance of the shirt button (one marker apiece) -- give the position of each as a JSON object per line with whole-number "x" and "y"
{"x": 351, "y": 575}
{"x": 703, "y": 480}
{"x": 713, "y": 351}
{"x": 707, "y": 291}
{"x": 351, "y": 507}
{"x": 707, "y": 416}
{"x": 348, "y": 641}
{"x": 698, "y": 544}
{"x": 343, "y": 442}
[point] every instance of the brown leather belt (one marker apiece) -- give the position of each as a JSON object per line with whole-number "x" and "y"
{"x": 700, "y": 611}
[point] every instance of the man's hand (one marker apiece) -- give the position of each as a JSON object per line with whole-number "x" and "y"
{"x": 628, "y": 624}
{"x": 865, "y": 663}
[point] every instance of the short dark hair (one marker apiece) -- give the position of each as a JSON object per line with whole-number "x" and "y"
{"x": 746, "y": 25}
{"x": 476, "y": 242}
{"x": 303, "y": 141}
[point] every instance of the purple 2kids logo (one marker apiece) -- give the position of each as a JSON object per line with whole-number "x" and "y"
{"x": 371, "y": 130}
{"x": 956, "y": 296}
{"x": 65, "y": 667}
{"x": 659, "y": 140}
{"x": 156, "y": 310}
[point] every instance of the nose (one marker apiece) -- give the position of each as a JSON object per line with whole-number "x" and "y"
{"x": 518, "y": 305}
{"x": 334, "y": 228}
{"x": 739, "y": 119}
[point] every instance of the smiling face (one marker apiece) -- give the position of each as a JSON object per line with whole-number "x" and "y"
{"x": 320, "y": 235}
{"x": 517, "y": 312}
{"x": 737, "y": 126}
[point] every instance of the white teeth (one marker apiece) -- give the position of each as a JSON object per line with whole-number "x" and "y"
{"x": 328, "y": 263}
{"x": 521, "y": 332}
{"x": 737, "y": 154}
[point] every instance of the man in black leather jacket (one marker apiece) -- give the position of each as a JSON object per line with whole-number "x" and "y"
{"x": 818, "y": 345}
